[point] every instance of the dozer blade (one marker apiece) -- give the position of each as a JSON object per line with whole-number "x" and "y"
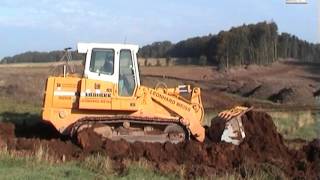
{"x": 234, "y": 132}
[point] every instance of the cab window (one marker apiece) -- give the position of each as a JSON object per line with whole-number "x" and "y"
{"x": 102, "y": 61}
{"x": 126, "y": 74}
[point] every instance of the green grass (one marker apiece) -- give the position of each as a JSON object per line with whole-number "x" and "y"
{"x": 14, "y": 106}
{"x": 41, "y": 166}
{"x": 298, "y": 124}
{"x": 261, "y": 172}
{"x": 19, "y": 112}
{"x": 14, "y": 167}
{"x": 136, "y": 172}
{"x": 308, "y": 132}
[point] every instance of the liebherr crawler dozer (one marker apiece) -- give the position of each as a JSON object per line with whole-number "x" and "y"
{"x": 109, "y": 99}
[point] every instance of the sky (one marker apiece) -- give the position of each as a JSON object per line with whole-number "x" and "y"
{"x": 44, "y": 25}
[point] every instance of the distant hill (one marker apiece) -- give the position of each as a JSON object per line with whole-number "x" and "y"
{"x": 247, "y": 44}
{"x": 39, "y": 57}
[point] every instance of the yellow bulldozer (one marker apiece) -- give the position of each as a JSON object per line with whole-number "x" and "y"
{"x": 108, "y": 98}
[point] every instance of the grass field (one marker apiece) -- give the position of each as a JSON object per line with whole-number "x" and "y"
{"x": 94, "y": 167}
{"x": 40, "y": 166}
{"x": 19, "y": 112}
{"x": 297, "y": 124}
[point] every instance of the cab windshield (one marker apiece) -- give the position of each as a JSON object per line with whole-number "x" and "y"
{"x": 102, "y": 61}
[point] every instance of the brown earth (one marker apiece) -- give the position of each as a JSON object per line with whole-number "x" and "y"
{"x": 263, "y": 145}
{"x": 289, "y": 83}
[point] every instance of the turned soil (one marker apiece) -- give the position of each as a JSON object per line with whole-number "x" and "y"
{"x": 262, "y": 145}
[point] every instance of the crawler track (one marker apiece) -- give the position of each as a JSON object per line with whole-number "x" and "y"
{"x": 131, "y": 129}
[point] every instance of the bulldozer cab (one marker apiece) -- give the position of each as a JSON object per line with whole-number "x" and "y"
{"x": 114, "y": 63}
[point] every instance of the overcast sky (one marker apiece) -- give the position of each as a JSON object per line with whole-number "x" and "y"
{"x": 45, "y": 25}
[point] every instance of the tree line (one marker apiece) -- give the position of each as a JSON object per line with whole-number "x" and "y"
{"x": 247, "y": 44}
{"x": 292, "y": 46}
{"x": 37, "y": 57}
{"x": 258, "y": 43}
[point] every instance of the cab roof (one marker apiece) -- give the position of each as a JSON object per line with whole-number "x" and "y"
{"x": 84, "y": 47}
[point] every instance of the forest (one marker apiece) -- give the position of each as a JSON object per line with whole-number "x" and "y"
{"x": 38, "y": 57}
{"x": 247, "y": 44}
{"x": 258, "y": 43}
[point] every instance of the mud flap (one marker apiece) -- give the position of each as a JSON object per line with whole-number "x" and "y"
{"x": 234, "y": 132}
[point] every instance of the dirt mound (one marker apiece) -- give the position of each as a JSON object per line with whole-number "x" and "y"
{"x": 7, "y": 130}
{"x": 263, "y": 145}
{"x": 88, "y": 140}
{"x": 283, "y": 95}
{"x": 262, "y": 136}
{"x": 6, "y": 134}
{"x": 312, "y": 152}
{"x": 30, "y": 139}
{"x": 293, "y": 94}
